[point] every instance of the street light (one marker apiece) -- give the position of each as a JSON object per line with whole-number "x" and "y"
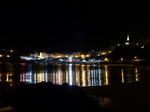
{"x": 106, "y": 59}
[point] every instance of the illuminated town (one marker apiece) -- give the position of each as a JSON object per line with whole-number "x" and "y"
{"x": 129, "y": 51}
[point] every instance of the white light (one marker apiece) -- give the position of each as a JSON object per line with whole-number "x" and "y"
{"x": 128, "y": 37}
{"x": 127, "y": 43}
{"x": 99, "y": 60}
{"x": 70, "y": 58}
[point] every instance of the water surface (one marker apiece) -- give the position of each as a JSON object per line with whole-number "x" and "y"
{"x": 79, "y": 74}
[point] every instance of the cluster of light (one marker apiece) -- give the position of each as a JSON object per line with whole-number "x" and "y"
{"x": 0, "y": 55}
{"x": 121, "y": 58}
{"x": 11, "y": 50}
{"x": 8, "y": 55}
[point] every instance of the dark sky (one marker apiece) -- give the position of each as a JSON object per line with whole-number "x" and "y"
{"x": 69, "y": 25}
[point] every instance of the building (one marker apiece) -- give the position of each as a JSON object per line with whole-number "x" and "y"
{"x": 43, "y": 55}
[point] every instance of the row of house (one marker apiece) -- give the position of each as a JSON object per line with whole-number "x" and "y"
{"x": 70, "y": 56}
{"x": 81, "y": 55}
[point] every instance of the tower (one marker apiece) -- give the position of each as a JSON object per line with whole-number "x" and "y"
{"x": 127, "y": 41}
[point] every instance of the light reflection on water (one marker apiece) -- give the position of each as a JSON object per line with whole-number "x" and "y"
{"x": 81, "y": 75}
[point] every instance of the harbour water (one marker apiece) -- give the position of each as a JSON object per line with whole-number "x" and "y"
{"x": 76, "y": 74}
{"x": 83, "y": 75}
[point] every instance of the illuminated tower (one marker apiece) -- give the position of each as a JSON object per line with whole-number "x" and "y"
{"x": 127, "y": 41}
{"x": 127, "y": 36}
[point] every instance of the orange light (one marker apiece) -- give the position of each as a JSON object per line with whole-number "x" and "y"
{"x": 106, "y": 59}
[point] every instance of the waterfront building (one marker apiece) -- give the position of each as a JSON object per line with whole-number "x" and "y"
{"x": 43, "y": 55}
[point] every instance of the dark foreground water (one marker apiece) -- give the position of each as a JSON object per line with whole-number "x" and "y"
{"x": 83, "y": 76}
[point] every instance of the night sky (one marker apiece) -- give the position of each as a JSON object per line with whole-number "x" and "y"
{"x": 69, "y": 25}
